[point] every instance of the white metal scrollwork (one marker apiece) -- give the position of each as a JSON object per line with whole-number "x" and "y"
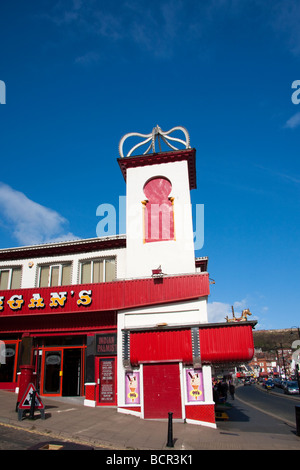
{"x": 156, "y": 134}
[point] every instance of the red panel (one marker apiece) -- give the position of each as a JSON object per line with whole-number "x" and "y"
{"x": 59, "y": 323}
{"x": 90, "y": 392}
{"x": 137, "y": 409}
{"x": 11, "y": 386}
{"x": 217, "y": 344}
{"x": 204, "y": 413}
{"x": 161, "y": 346}
{"x": 162, "y": 393}
{"x": 226, "y": 344}
{"x": 106, "y": 296}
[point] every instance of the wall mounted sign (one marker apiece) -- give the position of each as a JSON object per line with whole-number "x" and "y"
{"x": 132, "y": 388}
{"x": 37, "y": 301}
{"x": 106, "y": 344}
{"x": 53, "y": 359}
{"x": 102, "y": 296}
{"x": 107, "y": 381}
{"x": 194, "y": 384}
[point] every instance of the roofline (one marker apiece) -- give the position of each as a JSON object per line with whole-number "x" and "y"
{"x": 159, "y": 327}
{"x": 162, "y": 157}
{"x": 65, "y": 247}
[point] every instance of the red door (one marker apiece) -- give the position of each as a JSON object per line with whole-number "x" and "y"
{"x": 106, "y": 380}
{"x": 162, "y": 391}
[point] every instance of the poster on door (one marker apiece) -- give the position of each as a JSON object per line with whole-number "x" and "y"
{"x": 107, "y": 381}
{"x": 132, "y": 388}
{"x": 194, "y": 383}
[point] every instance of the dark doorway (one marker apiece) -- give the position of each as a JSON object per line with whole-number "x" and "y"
{"x": 71, "y": 373}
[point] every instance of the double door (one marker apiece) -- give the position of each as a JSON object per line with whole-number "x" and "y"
{"x": 60, "y": 371}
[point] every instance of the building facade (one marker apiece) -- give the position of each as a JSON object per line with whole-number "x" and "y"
{"x": 122, "y": 320}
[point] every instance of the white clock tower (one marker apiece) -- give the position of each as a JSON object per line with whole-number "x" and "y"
{"x": 159, "y": 224}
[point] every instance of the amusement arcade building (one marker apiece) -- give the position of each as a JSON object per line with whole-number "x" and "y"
{"x": 122, "y": 320}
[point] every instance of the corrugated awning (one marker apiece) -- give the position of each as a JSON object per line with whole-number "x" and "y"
{"x": 226, "y": 343}
{"x": 219, "y": 343}
{"x": 161, "y": 346}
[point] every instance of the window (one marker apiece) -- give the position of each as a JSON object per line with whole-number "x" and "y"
{"x": 158, "y": 210}
{"x": 54, "y": 275}
{"x": 9, "y": 354}
{"x": 10, "y": 278}
{"x": 99, "y": 270}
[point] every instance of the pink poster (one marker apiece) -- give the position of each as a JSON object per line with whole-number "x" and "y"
{"x": 194, "y": 383}
{"x": 132, "y": 388}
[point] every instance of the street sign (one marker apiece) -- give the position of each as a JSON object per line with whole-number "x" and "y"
{"x": 31, "y": 401}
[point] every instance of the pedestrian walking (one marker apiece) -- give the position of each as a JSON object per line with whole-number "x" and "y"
{"x": 232, "y": 390}
{"x": 224, "y": 387}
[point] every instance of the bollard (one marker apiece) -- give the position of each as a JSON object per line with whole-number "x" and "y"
{"x": 297, "y": 410}
{"x": 170, "y": 442}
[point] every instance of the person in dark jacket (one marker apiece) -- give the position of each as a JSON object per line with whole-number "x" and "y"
{"x": 232, "y": 390}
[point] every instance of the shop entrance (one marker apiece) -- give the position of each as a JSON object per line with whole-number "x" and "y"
{"x": 61, "y": 372}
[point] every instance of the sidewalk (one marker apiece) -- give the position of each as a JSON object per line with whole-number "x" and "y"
{"x": 106, "y": 428}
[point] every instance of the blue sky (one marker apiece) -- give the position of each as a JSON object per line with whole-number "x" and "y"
{"x": 81, "y": 74}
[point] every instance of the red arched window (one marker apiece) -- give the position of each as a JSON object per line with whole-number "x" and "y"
{"x": 158, "y": 210}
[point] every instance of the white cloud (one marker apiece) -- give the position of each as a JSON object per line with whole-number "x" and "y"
{"x": 87, "y": 59}
{"x": 284, "y": 18}
{"x": 160, "y": 28}
{"x": 217, "y": 311}
{"x": 157, "y": 29}
{"x": 29, "y": 222}
{"x": 293, "y": 122}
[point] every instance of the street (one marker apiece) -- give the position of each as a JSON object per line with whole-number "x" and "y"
{"x": 257, "y": 410}
{"x": 13, "y": 438}
{"x": 253, "y": 410}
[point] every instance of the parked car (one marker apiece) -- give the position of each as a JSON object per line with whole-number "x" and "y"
{"x": 247, "y": 381}
{"x": 269, "y": 384}
{"x": 283, "y": 383}
{"x": 277, "y": 382}
{"x": 291, "y": 388}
